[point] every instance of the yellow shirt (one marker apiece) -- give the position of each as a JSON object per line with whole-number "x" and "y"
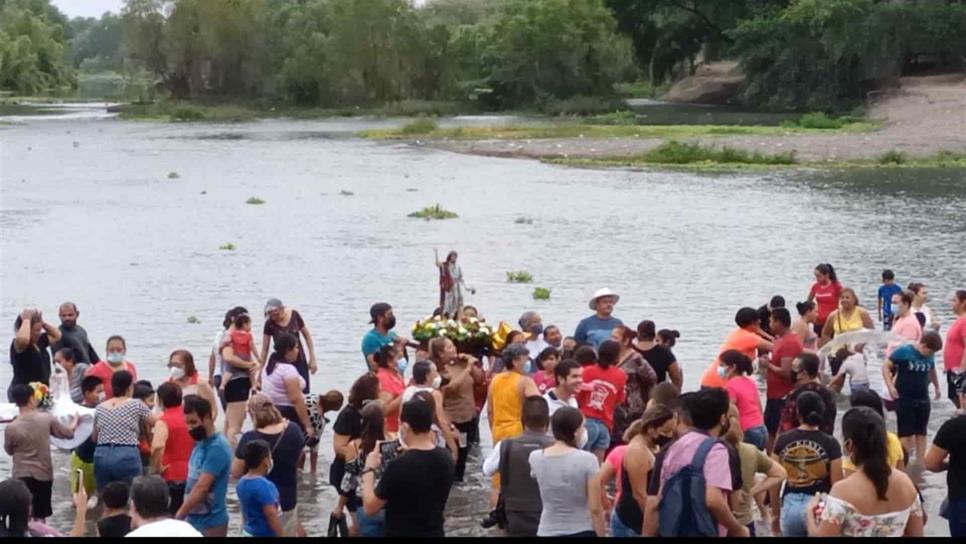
{"x": 507, "y": 405}
{"x": 894, "y": 453}
{"x": 843, "y": 324}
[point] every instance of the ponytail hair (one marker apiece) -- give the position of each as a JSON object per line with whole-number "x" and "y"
{"x": 284, "y": 343}
{"x": 826, "y": 269}
{"x": 733, "y": 358}
{"x": 866, "y": 429}
{"x": 811, "y": 408}
{"x": 669, "y": 337}
{"x": 804, "y": 307}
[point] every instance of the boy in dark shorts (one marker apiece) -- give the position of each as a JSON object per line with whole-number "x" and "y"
{"x": 884, "y": 302}
{"x": 915, "y": 368}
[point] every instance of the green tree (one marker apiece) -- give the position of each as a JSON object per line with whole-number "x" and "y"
{"x": 32, "y": 47}
{"x": 97, "y": 41}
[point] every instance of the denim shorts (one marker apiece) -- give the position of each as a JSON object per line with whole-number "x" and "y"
{"x": 116, "y": 464}
{"x": 618, "y": 529}
{"x": 371, "y": 526}
{"x": 757, "y": 437}
{"x": 793, "y": 514}
{"x": 598, "y": 436}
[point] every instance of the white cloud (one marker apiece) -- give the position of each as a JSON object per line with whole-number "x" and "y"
{"x": 88, "y": 8}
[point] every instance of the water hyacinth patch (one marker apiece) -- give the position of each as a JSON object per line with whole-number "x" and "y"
{"x": 227, "y": 247}
{"x": 520, "y": 276}
{"x": 254, "y": 201}
{"x": 433, "y": 212}
{"x": 541, "y": 293}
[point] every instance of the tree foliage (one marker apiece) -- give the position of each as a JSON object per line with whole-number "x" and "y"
{"x": 33, "y": 47}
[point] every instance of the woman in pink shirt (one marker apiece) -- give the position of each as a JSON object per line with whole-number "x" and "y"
{"x": 546, "y": 361}
{"x": 905, "y": 323}
{"x": 744, "y": 395}
{"x": 954, "y": 356}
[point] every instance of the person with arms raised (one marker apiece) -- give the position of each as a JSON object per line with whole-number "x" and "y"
{"x": 29, "y": 353}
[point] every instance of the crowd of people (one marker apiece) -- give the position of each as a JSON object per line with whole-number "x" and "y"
{"x": 592, "y": 434}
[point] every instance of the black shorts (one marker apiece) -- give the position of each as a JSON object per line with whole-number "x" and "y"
{"x": 912, "y": 416}
{"x": 40, "y": 493}
{"x": 175, "y": 496}
{"x": 773, "y": 414}
{"x": 952, "y": 386}
{"x": 238, "y": 390}
{"x": 289, "y": 413}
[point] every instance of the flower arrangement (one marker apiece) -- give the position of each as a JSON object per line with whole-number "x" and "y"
{"x": 468, "y": 335}
{"x": 42, "y": 394}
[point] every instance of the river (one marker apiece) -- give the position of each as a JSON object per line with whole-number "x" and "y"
{"x": 88, "y": 213}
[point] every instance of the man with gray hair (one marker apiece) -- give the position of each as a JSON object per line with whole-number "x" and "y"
{"x": 532, "y": 325}
{"x": 149, "y": 510}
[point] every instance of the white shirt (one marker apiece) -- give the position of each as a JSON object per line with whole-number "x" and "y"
{"x": 165, "y": 527}
{"x": 855, "y": 367}
{"x": 216, "y": 350}
{"x": 536, "y": 346}
{"x": 555, "y": 404}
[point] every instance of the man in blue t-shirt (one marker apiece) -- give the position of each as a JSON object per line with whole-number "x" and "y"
{"x": 914, "y": 366}
{"x": 595, "y": 329}
{"x": 886, "y": 290}
{"x": 208, "y": 469}
{"x": 381, "y": 334}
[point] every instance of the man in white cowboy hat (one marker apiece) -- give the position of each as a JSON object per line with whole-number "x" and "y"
{"x": 593, "y": 330}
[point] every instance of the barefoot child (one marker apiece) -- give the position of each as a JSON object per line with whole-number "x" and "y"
{"x": 258, "y": 496}
{"x": 317, "y": 406}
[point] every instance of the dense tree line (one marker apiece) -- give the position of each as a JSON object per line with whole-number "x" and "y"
{"x": 814, "y": 54}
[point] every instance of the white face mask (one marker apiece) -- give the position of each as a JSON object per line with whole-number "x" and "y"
{"x": 437, "y": 381}
{"x": 101, "y": 396}
{"x": 176, "y": 372}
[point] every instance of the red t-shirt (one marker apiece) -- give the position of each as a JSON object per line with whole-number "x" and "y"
{"x": 826, "y": 298}
{"x": 390, "y": 382}
{"x": 105, "y": 371}
{"x": 953, "y": 352}
{"x": 544, "y": 382}
{"x": 603, "y": 391}
{"x": 241, "y": 344}
{"x": 790, "y": 345}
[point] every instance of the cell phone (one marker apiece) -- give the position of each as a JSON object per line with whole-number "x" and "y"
{"x": 388, "y": 448}
{"x": 79, "y": 480}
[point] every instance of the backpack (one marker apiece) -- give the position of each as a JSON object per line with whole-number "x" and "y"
{"x": 682, "y": 509}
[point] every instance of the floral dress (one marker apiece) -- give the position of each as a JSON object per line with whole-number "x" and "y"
{"x": 641, "y": 378}
{"x": 853, "y": 523}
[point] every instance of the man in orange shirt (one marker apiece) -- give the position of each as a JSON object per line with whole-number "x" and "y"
{"x": 746, "y": 339}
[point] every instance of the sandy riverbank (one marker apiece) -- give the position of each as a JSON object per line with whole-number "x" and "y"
{"x": 921, "y": 117}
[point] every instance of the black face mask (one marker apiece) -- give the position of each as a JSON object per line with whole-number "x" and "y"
{"x": 391, "y": 322}
{"x": 663, "y": 440}
{"x": 198, "y": 433}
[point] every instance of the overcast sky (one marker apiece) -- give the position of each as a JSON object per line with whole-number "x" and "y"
{"x": 88, "y": 8}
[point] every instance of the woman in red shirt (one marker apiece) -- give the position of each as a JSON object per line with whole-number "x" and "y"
{"x": 391, "y": 386}
{"x": 825, "y": 292}
{"x": 172, "y": 445}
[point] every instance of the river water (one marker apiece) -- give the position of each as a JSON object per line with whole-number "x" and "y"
{"x": 88, "y": 213}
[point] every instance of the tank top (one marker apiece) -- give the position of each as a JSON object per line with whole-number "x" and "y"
{"x": 627, "y": 507}
{"x": 842, "y": 324}
{"x": 177, "y": 449}
{"x": 190, "y": 389}
{"x": 411, "y": 391}
{"x": 507, "y": 405}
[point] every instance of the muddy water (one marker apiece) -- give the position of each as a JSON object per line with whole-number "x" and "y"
{"x": 88, "y": 213}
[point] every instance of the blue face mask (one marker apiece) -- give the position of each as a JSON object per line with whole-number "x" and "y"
{"x": 115, "y": 358}
{"x": 402, "y": 364}
{"x": 528, "y": 368}
{"x": 896, "y": 309}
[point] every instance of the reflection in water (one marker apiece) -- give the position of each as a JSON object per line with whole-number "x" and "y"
{"x": 102, "y": 225}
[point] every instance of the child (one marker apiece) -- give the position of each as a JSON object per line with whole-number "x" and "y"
{"x": 884, "y": 303}
{"x": 258, "y": 495}
{"x": 114, "y": 520}
{"x": 243, "y": 345}
{"x": 852, "y": 363}
{"x": 144, "y": 391}
{"x": 318, "y": 405}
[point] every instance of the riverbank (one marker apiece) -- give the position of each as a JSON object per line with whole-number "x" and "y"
{"x": 920, "y": 124}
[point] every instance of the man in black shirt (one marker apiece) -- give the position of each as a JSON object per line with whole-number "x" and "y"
{"x": 948, "y": 453}
{"x": 415, "y": 486}
{"x": 74, "y": 336}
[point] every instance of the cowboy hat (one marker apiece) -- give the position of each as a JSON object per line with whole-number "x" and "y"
{"x": 603, "y": 292}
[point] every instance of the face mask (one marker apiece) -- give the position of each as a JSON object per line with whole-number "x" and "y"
{"x": 402, "y": 365}
{"x": 722, "y": 372}
{"x": 663, "y": 440}
{"x": 198, "y": 433}
{"x": 101, "y": 396}
{"x": 115, "y": 358}
{"x": 528, "y": 368}
{"x": 437, "y": 381}
{"x": 391, "y": 322}
{"x": 536, "y": 329}
{"x": 176, "y": 372}
{"x": 896, "y": 309}
{"x": 582, "y": 438}
{"x": 794, "y": 374}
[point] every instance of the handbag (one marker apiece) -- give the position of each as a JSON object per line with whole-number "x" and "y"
{"x": 338, "y": 526}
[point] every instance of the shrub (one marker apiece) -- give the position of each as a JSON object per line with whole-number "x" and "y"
{"x": 892, "y": 157}
{"x": 674, "y": 152}
{"x": 584, "y": 105}
{"x": 422, "y": 125}
{"x": 821, "y": 121}
{"x": 187, "y": 114}
{"x": 622, "y": 117}
{"x": 541, "y": 293}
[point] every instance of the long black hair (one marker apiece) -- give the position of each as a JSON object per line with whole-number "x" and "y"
{"x": 826, "y": 269}
{"x": 811, "y": 408}
{"x": 14, "y": 508}
{"x": 284, "y": 342}
{"x": 866, "y": 429}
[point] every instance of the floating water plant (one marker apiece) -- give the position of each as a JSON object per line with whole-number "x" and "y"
{"x": 434, "y": 212}
{"x": 227, "y": 247}
{"x": 343, "y": 192}
{"x": 173, "y": 175}
{"x": 254, "y": 201}
{"x": 520, "y": 276}
{"x": 541, "y": 293}
{"x": 523, "y": 221}
{"x": 193, "y": 320}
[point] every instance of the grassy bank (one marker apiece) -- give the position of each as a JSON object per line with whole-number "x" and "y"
{"x": 239, "y": 112}
{"x": 674, "y": 155}
{"x": 571, "y": 129}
